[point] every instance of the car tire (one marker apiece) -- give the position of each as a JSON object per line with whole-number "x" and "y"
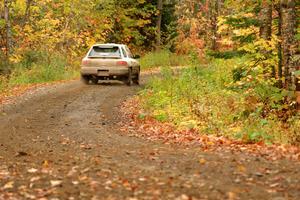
{"x": 129, "y": 81}
{"x": 137, "y": 78}
{"x": 85, "y": 79}
{"x": 95, "y": 81}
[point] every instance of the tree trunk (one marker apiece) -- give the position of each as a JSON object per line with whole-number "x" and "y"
{"x": 27, "y": 11}
{"x": 158, "y": 23}
{"x": 279, "y": 46}
{"x": 266, "y": 20}
{"x": 288, "y": 41}
{"x": 214, "y": 24}
{"x": 266, "y": 31}
{"x": 207, "y": 23}
{"x": 8, "y": 28}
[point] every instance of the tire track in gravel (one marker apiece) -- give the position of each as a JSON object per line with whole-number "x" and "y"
{"x": 64, "y": 143}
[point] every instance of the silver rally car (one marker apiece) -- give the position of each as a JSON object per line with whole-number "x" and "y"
{"x": 110, "y": 62}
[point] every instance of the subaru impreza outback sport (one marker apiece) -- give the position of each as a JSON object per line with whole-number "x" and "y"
{"x": 110, "y": 62}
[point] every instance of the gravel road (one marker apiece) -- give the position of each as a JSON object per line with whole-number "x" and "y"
{"x": 63, "y": 142}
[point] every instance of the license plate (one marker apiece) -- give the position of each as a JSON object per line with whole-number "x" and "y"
{"x": 103, "y": 73}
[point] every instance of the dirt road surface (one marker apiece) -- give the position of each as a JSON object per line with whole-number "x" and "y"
{"x": 63, "y": 142}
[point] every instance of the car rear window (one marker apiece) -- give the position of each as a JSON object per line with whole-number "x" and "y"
{"x": 101, "y": 51}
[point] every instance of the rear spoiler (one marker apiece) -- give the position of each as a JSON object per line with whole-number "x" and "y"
{"x": 104, "y": 56}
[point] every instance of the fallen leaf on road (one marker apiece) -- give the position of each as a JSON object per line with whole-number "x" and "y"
{"x": 274, "y": 185}
{"x": 231, "y": 196}
{"x": 241, "y": 168}
{"x": 85, "y": 146}
{"x": 183, "y": 197}
{"x": 55, "y": 183}
{"x": 142, "y": 179}
{"x": 72, "y": 171}
{"x": 21, "y": 153}
{"x": 32, "y": 170}
{"x": 9, "y": 185}
{"x": 33, "y": 179}
{"x": 75, "y": 182}
{"x": 45, "y": 164}
{"x": 83, "y": 178}
{"x": 202, "y": 161}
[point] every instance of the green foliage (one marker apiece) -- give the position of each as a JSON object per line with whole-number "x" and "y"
{"x": 169, "y": 25}
{"x": 297, "y": 73}
{"x": 4, "y": 67}
{"x": 3, "y": 83}
{"x": 30, "y": 57}
{"x": 256, "y": 131}
{"x": 225, "y": 54}
{"x": 242, "y": 21}
{"x": 163, "y": 58}
{"x": 238, "y": 73}
{"x": 133, "y": 22}
{"x": 39, "y": 71}
{"x": 202, "y": 97}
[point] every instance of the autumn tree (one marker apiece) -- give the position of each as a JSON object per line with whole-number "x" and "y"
{"x": 266, "y": 19}
{"x": 27, "y": 10}
{"x": 288, "y": 40}
{"x": 193, "y": 26}
{"x": 214, "y": 8}
{"x": 158, "y": 23}
{"x": 134, "y": 22}
{"x": 7, "y": 26}
{"x": 278, "y": 9}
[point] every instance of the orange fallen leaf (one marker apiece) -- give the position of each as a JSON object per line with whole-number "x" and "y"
{"x": 45, "y": 164}
{"x": 9, "y": 185}
{"x": 231, "y": 196}
{"x": 241, "y": 168}
{"x": 202, "y": 161}
{"x": 55, "y": 183}
{"x": 32, "y": 170}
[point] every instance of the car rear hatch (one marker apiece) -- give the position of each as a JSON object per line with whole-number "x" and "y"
{"x": 103, "y": 56}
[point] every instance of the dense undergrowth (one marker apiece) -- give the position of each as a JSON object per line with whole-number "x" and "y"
{"x": 205, "y": 97}
{"x": 38, "y": 67}
{"x": 162, "y": 58}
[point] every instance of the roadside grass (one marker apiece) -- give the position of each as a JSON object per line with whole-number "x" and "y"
{"x": 55, "y": 70}
{"x": 42, "y": 70}
{"x": 202, "y": 98}
{"x": 162, "y": 58}
{"x": 3, "y": 83}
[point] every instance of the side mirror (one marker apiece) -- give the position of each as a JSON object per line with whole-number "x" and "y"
{"x": 136, "y": 56}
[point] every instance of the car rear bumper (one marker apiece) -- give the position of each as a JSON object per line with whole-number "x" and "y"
{"x": 104, "y": 71}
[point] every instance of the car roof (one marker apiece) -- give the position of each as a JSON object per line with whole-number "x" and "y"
{"x": 109, "y": 44}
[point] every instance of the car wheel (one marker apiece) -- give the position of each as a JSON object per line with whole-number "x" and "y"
{"x": 95, "y": 81}
{"x": 129, "y": 79}
{"x": 137, "y": 78}
{"x": 85, "y": 79}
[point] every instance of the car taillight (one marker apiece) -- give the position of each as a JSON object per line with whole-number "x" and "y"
{"x": 85, "y": 62}
{"x": 122, "y": 63}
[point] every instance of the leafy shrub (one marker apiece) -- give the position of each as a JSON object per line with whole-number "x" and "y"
{"x": 162, "y": 58}
{"x": 204, "y": 95}
{"x": 31, "y": 57}
{"x": 238, "y": 73}
{"x": 4, "y": 66}
{"x": 45, "y": 69}
{"x": 3, "y": 83}
{"x": 225, "y": 54}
